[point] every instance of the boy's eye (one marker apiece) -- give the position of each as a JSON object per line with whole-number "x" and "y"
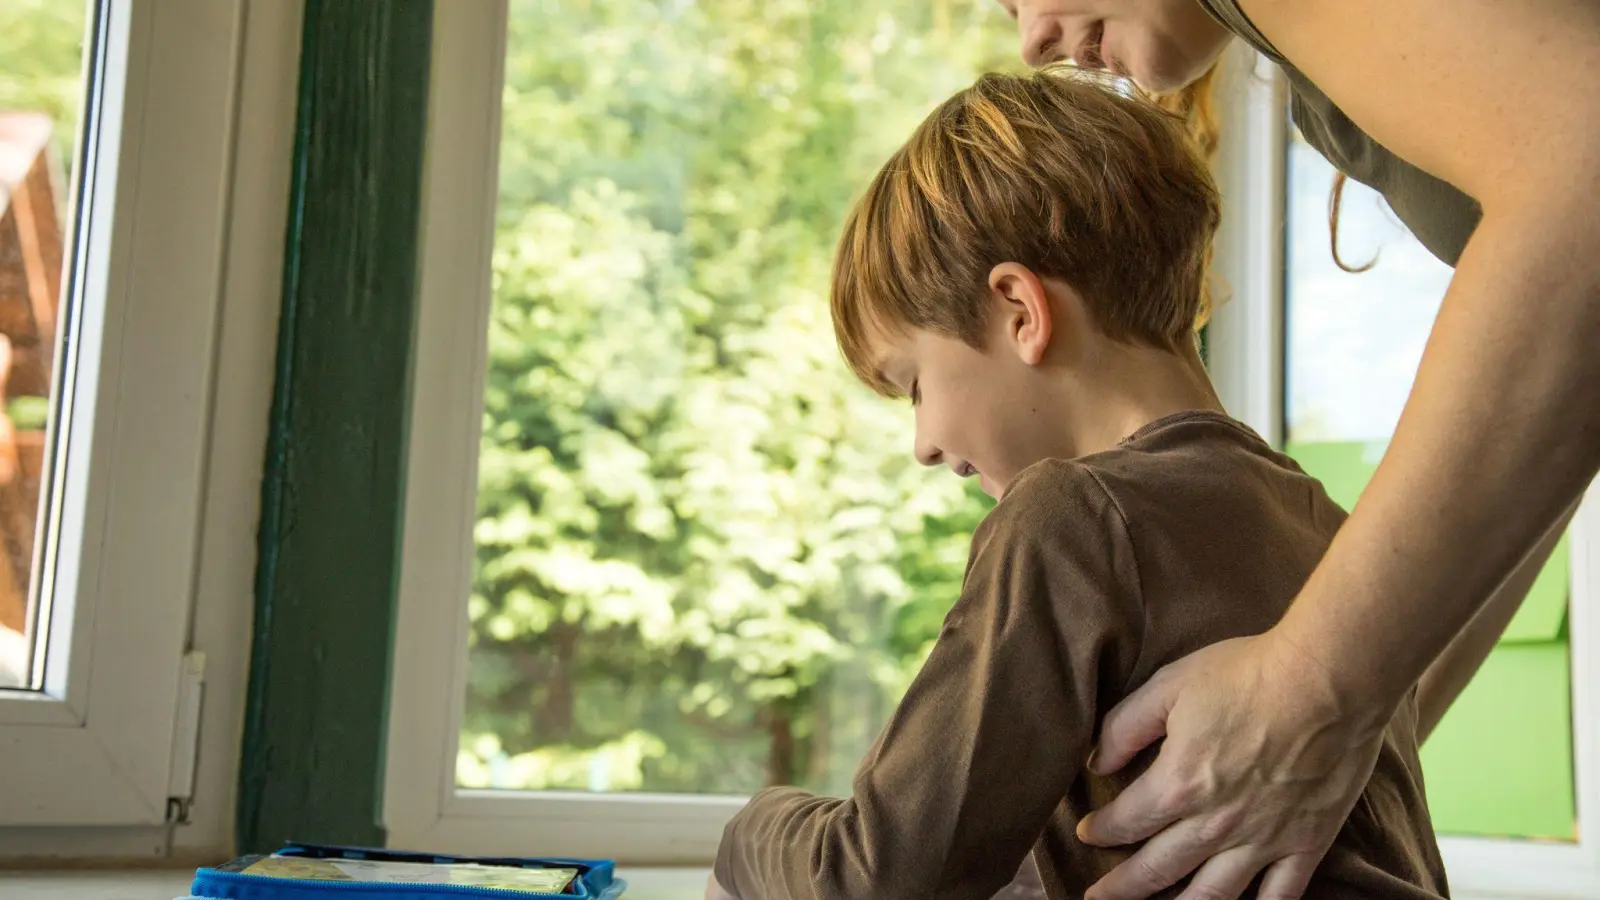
{"x": 915, "y": 394}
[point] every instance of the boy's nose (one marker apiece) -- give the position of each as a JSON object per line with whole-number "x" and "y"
{"x": 927, "y": 454}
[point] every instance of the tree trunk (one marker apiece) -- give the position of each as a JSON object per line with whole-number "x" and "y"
{"x": 819, "y": 750}
{"x": 553, "y": 720}
{"x": 780, "y": 748}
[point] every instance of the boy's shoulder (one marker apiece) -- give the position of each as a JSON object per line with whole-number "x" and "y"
{"x": 1194, "y": 458}
{"x": 1051, "y": 507}
{"x": 1056, "y": 552}
{"x": 1050, "y": 494}
{"x": 1185, "y": 459}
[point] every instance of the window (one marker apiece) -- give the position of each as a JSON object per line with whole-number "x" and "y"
{"x": 114, "y": 139}
{"x": 40, "y": 93}
{"x": 1350, "y": 347}
{"x": 682, "y": 554}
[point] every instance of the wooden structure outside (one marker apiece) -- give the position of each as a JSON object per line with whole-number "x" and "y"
{"x": 31, "y": 255}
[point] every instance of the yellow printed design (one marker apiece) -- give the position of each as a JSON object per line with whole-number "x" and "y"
{"x": 298, "y": 868}
{"x": 530, "y": 881}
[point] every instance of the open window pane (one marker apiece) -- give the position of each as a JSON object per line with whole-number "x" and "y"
{"x": 706, "y": 559}
{"x": 1353, "y": 345}
{"x": 42, "y": 99}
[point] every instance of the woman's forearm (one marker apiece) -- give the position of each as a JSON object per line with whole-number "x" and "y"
{"x": 1500, "y": 436}
{"x": 1449, "y": 675}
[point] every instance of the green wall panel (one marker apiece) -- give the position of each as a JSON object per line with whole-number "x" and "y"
{"x": 1500, "y": 763}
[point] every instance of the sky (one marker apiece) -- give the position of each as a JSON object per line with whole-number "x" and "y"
{"x": 1353, "y": 342}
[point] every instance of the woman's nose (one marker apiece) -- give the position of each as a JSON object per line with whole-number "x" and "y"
{"x": 1041, "y": 40}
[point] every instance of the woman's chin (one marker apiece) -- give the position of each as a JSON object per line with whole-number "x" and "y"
{"x": 1154, "y": 80}
{"x": 1167, "y": 73}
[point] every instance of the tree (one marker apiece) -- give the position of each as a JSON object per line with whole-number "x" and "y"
{"x": 41, "y": 63}
{"x": 706, "y": 559}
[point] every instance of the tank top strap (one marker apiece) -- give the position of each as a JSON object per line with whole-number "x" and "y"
{"x": 1228, "y": 13}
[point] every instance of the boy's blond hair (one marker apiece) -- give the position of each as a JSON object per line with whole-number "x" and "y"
{"x": 1054, "y": 170}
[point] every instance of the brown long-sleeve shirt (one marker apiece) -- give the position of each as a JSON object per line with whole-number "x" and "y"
{"x": 1086, "y": 578}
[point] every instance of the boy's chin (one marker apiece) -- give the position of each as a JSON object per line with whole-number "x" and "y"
{"x": 993, "y": 488}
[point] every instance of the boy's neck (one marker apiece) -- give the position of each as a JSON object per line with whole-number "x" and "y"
{"x": 1125, "y": 387}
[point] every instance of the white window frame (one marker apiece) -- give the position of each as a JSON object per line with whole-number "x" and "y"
{"x": 104, "y": 743}
{"x": 1247, "y": 362}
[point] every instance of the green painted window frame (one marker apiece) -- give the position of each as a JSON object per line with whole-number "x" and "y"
{"x": 332, "y": 491}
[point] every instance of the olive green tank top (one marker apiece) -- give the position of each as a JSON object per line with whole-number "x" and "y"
{"x": 1440, "y": 216}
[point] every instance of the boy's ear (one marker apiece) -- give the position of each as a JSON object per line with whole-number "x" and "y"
{"x": 1022, "y": 307}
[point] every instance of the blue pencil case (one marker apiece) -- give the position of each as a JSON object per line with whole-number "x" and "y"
{"x": 317, "y": 872}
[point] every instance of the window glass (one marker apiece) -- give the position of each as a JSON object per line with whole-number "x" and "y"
{"x": 706, "y": 559}
{"x": 42, "y": 96}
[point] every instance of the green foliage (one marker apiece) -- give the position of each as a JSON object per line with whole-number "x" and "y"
{"x": 706, "y": 557}
{"x": 41, "y": 63}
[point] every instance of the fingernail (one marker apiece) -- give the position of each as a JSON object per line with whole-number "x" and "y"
{"x": 1094, "y": 758}
{"x": 1083, "y": 829}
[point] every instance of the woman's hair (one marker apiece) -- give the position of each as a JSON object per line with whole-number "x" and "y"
{"x": 1196, "y": 105}
{"x": 1056, "y": 170}
{"x": 1335, "y": 198}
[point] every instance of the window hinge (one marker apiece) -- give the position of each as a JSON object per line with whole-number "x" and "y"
{"x": 186, "y": 737}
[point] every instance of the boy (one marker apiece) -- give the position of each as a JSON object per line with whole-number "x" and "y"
{"x": 1029, "y": 271}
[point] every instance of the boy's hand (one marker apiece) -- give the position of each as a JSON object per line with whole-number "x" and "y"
{"x": 715, "y": 890}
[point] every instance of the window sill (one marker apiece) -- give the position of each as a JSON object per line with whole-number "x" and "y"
{"x": 643, "y": 884}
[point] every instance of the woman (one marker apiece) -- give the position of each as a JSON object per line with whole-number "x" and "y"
{"x": 1480, "y": 123}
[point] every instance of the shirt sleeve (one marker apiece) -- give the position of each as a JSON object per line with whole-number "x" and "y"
{"x": 992, "y": 732}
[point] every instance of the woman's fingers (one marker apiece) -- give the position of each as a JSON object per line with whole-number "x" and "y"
{"x": 1141, "y": 810}
{"x": 1137, "y": 722}
{"x": 1226, "y": 877}
{"x": 1161, "y": 863}
{"x": 1287, "y": 878}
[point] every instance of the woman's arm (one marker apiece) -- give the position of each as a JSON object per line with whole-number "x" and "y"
{"x": 1501, "y": 434}
{"x": 1502, "y": 431}
{"x": 1448, "y": 676}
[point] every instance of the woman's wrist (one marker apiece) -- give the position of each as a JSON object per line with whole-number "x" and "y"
{"x": 1333, "y": 670}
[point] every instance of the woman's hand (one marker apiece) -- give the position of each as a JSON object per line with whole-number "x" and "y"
{"x": 1262, "y": 763}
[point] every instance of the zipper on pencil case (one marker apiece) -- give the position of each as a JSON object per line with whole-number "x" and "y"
{"x": 302, "y": 889}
